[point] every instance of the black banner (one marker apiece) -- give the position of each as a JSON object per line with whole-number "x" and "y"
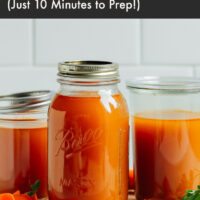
{"x": 99, "y": 8}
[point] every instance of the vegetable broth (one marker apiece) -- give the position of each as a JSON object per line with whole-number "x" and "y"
{"x": 23, "y": 157}
{"x": 167, "y": 154}
{"x": 88, "y": 148}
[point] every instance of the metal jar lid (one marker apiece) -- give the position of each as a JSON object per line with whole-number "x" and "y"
{"x": 27, "y": 101}
{"x": 88, "y": 69}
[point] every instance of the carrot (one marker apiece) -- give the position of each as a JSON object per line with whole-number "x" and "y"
{"x": 31, "y": 195}
{"x": 17, "y": 192}
{"x": 22, "y": 197}
{"x": 17, "y": 196}
{"x": 6, "y": 196}
{"x": 34, "y": 197}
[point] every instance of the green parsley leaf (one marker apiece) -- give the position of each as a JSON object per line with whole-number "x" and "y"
{"x": 34, "y": 188}
{"x": 192, "y": 194}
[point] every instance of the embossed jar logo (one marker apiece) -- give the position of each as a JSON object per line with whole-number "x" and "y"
{"x": 73, "y": 140}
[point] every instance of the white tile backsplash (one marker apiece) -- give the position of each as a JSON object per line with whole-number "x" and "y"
{"x": 171, "y": 41}
{"x": 108, "y": 39}
{"x": 18, "y": 79}
{"x": 15, "y": 42}
{"x": 159, "y": 45}
{"x": 127, "y": 41}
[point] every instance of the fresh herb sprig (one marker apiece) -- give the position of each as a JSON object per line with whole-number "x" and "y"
{"x": 192, "y": 194}
{"x": 34, "y": 188}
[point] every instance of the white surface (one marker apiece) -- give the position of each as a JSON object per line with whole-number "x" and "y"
{"x": 59, "y": 40}
{"x": 19, "y": 79}
{"x": 171, "y": 41}
{"x": 197, "y": 71}
{"x": 15, "y": 42}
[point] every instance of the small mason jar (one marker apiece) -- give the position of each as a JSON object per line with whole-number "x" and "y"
{"x": 23, "y": 141}
{"x": 88, "y": 133}
{"x": 165, "y": 115}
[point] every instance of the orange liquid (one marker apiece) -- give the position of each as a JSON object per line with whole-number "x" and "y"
{"x": 23, "y": 159}
{"x": 167, "y": 154}
{"x": 131, "y": 179}
{"x": 88, "y": 148}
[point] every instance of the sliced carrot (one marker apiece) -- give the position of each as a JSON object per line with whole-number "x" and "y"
{"x": 17, "y": 192}
{"x": 22, "y": 197}
{"x": 6, "y": 196}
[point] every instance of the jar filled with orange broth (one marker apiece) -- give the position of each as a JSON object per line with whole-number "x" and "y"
{"x": 165, "y": 119}
{"x": 88, "y": 133}
{"x": 23, "y": 141}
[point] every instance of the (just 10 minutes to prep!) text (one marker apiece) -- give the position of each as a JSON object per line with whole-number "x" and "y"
{"x": 127, "y": 6}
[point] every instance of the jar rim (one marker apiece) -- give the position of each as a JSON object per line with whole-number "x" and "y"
{"x": 25, "y": 101}
{"x": 88, "y": 69}
{"x": 173, "y": 84}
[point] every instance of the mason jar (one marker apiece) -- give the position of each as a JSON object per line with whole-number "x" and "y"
{"x": 165, "y": 115}
{"x": 88, "y": 133}
{"x": 23, "y": 141}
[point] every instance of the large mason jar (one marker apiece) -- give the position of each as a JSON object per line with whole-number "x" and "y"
{"x": 165, "y": 115}
{"x": 88, "y": 132}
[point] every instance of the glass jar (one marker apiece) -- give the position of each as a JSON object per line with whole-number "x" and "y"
{"x": 88, "y": 131}
{"x": 165, "y": 116}
{"x": 23, "y": 141}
